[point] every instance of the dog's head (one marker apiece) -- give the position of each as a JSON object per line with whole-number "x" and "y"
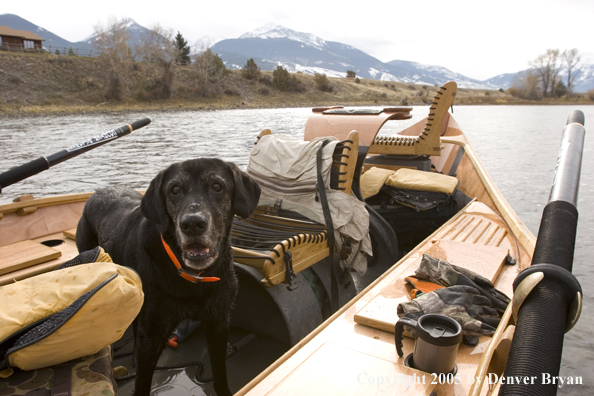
{"x": 196, "y": 200}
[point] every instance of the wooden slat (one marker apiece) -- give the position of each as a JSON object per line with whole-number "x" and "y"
{"x": 24, "y": 254}
{"x": 304, "y": 255}
{"x": 71, "y": 233}
{"x": 352, "y": 151}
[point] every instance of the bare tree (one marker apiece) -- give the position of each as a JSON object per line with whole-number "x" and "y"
{"x": 111, "y": 40}
{"x": 157, "y": 46}
{"x": 571, "y": 59}
{"x": 525, "y": 86}
{"x": 210, "y": 70}
{"x": 547, "y": 66}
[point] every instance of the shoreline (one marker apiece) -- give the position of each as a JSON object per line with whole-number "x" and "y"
{"x": 136, "y": 108}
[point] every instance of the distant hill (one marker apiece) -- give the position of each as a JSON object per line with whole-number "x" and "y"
{"x": 436, "y": 75}
{"x": 504, "y": 81}
{"x": 52, "y": 41}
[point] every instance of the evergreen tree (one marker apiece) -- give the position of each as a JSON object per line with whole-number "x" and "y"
{"x": 322, "y": 82}
{"x": 183, "y": 49}
{"x": 281, "y": 79}
{"x": 250, "y": 70}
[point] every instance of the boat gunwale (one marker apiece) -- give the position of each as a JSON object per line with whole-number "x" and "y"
{"x": 44, "y": 202}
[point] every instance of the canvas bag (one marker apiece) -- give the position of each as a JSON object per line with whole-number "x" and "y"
{"x": 66, "y": 314}
{"x": 286, "y": 170}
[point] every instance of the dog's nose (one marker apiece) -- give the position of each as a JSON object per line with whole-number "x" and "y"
{"x": 193, "y": 223}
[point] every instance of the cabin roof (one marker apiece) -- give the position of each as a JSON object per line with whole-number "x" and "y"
{"x": 25, "y": 35}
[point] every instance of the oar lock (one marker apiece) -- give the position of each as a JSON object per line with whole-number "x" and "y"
{"x": 527, "y": 280}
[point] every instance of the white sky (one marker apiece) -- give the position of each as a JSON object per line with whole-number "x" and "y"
{"x": 475, "y": 38}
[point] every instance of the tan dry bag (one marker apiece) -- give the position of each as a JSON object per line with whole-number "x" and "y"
{"x": 68, "y": 313}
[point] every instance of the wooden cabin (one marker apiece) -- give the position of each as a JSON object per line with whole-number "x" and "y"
{"x": 19, "y": 40}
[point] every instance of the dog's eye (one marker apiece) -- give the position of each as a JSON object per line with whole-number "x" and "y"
{"x": 217, "y": 187}
{"x": 175, "y": 190}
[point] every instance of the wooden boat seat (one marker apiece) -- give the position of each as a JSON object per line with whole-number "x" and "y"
{"x": 281, "y": 244}
{"x": 276, "y": 245}
{"x": 24, "y": 254}
{"x": 425, "y": 142}
{"x": 32, "y": 257}
{"x": 339, "y": 122}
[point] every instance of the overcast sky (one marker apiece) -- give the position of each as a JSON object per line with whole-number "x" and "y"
{"x": 478, "y": 39}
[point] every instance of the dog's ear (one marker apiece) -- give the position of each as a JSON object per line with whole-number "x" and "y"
{"x": 247, "y": 192}
{"x": 153, "y": 206}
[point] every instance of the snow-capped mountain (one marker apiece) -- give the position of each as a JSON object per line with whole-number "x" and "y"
{"x": 205, "y": 42}
{"x": 419, "y": 73}
{"x": 135, "y": 33}
{"x": 272, "y": 45}
{"x": 270, "y": 30}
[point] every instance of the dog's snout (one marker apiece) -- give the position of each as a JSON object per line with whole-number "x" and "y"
{"x": 193, "y": 223}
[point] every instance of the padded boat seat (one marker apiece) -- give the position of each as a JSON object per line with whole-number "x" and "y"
{"x": 279, "y": 243}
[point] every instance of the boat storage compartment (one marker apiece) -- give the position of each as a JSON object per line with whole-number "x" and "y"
{"x": 415, "y": 203}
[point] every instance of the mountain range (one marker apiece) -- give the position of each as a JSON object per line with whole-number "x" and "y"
{"x": 273, "y": 45}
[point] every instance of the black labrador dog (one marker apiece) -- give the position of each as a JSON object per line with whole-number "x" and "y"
{"x": 187, "y": 209}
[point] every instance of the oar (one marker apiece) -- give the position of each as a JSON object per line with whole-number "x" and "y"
{"x": 553, "y": 296}
{"x": 29, "y": 169}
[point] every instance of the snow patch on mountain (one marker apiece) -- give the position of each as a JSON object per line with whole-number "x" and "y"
{"x": 206, "y": 42}
{"x": 271, "y": 30}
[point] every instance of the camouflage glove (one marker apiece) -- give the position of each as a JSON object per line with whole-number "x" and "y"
{"x": 442, "y": 272}
{"x": 461, "y": 303}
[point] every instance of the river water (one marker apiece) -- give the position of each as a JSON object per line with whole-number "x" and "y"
{"x": 518, "y": 145}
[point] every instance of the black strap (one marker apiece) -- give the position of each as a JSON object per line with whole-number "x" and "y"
{"x": 329, "y": 227}
{"x": 62, "y": 385}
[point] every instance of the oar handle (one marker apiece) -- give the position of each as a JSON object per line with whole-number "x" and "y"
{"x": 29, "y": 169}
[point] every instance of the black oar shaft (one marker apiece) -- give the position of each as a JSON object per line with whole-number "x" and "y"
{"x": 537, "y": 345}
{"x": 29, "y": 169}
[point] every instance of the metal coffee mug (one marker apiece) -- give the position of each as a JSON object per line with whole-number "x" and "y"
{"x": 436, "y": 344}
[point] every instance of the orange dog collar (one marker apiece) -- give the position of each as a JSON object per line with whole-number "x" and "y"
{"x": 180, "y": 270}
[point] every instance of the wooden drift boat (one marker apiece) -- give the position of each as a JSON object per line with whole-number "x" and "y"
{"x": 349, "y": 350}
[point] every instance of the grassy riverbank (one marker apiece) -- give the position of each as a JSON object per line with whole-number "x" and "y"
{"x": 53, "y": 84}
